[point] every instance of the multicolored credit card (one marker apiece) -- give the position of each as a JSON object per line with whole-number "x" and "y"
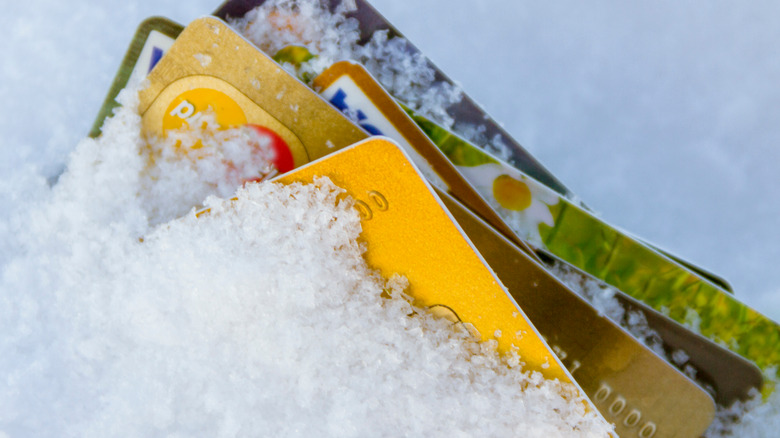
{"x": 551, "y": 223}
{"x": 207, "y": 75}
{"x": 151, "y": 40}
{"x": 211, "y": 68}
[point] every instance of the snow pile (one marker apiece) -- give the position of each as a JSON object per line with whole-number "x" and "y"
{"x": 257, "y": 318}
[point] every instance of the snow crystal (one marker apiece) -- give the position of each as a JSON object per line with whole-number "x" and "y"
{"x": 121, "y": 316}
{"x": 203, "y": 59}
{"x": 333, "y": 37}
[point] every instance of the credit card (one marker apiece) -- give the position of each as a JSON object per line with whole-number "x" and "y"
{"x": 409, "y": 232}
{"x": 552, "y": 224}
{"x": 212, "y": 68}
{"x": 152, "y": 39}
{"x": 466, "y": 112}
{"x": 351, "y": 88}
{"x": 614, "y": 369}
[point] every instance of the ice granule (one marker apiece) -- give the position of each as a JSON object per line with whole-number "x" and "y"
{"x": 118, "y": 318}
{"x": 680, "y": 357}
{"x": 203, "y": 59}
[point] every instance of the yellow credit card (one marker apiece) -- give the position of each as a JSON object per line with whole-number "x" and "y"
{"x": 409, "y": 232}
{"x": 350, "y": 87}
{"x": 211, "y": 67}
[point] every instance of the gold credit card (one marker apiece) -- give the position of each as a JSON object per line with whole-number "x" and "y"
{"x": 212, "y": 68}
{"x": 409, "y": 232}
{"x": 351, "y": 88}
{"x": 642, "y": 394}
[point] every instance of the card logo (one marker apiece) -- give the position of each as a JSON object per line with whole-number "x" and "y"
{"x": 339, "y": 100}
{"x": 185, "y": 108}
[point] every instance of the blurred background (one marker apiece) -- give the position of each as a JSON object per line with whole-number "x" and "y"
{"x": 662, "y": 116}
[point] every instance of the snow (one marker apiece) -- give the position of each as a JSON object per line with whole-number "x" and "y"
{"x": 128, "y": 311}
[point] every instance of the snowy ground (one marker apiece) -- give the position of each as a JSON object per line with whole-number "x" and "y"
{"x": 663, "y": 117}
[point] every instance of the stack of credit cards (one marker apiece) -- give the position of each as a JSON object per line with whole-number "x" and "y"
{"x": 482, "y": 239}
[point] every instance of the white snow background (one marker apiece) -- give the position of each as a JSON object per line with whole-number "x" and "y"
{"x": 663, "y": 116}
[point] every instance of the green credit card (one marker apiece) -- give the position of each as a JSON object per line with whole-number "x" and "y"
{"x": 553, "y": 224}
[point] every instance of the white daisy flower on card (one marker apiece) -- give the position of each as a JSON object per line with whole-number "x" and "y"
{"x": 521, "y": 201}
